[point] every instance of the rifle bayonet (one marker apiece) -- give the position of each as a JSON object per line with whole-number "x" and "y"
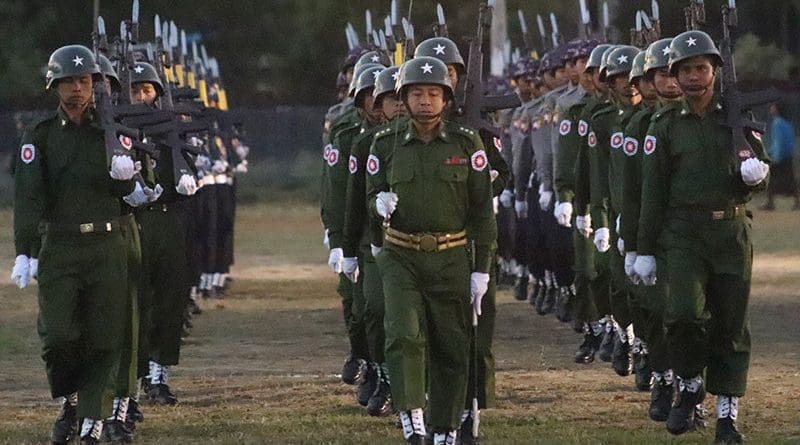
{"x": 440, "y": 28}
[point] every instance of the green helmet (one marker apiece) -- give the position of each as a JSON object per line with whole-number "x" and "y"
{"x": 372, "y": 57}
{"x": 108, "y": 70}
{"x": 689, "y": 44}
{"x": 366, "y": 80}
{"x": 144, "y": 72}
{"x": 424, "y": 70}
{"x": 386, "y": 82}
{"x": 71, "y": 60}
{"x": 357, "y": 73}
{"x": 638, "y": 66}
{"x": 620, "y": 60}
{"x": 657, "y": 55}
{"x": 604, "y": 61}
{"x": 596, "y": 57}
{"x": 441, "y": 48}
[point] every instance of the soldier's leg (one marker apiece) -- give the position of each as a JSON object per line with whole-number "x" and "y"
{"x": 358, "y": 330}
{"x": 559, "y": 239}
{"x": 622, "y": 357}
{"x": 729, "y": 335}
{"x": 584, "y": 308}
{"x": 379, "y": 403}
{"x": 355, "y": 366}
{"x": 601, "y": 293}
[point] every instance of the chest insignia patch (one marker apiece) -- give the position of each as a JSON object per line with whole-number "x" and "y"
{"x": 455, "y": 160}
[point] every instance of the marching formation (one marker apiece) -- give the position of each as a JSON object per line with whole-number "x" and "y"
{"x": 610, "y": 192}
{"x": 124, "y": 206}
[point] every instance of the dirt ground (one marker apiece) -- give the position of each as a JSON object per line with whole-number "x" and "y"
{"x": 263, "y": 370}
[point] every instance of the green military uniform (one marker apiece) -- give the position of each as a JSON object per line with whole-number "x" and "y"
{"x": 62, "y": 180}
{"x": 443, "y": 188}
{"x": 693, "y": 211}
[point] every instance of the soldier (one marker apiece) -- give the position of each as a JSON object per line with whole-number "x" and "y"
{"x": 366, "y": 241}
{"x": 62, "y": 184}
{"x": 165, "y": 271}
{"x": 693, "y": 210}
{"x": 429, "y": 183}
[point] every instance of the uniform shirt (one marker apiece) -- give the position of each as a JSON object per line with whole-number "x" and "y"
{"x": 689, "y": 164}
{"x": 572, "y": 96}
{"x": 443, "y": 186}
{"x": 62, "y": 176}
{"x": 346, "y": 120}
{"x": 542, "y": 138}
{"x": 582, "y": 199}
{"x": 572, "y": 130}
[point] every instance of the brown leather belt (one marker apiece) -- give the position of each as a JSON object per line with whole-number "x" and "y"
{"x": 701, "y": 214}
{"x": 426, "y": 242}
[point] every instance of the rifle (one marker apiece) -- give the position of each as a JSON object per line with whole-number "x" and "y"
{"x": 542, "y": 33}
{"x": 637, "y": 36}
{"x": 472, "y": 97}
{"x": 606, "y": 22}
{"x": 556, "y": 36}
{"x": 526, "y": 36}
{"x": 398, "y": 33}
{"x": 735, "y": 101}
{"x": 440, "y": 28}
{"x": 656, "y": 19}
{"x": 651, "y": 34}
{"x": 586, "y": 20}
{"x": 409, "y": 45}
{"x": 695, "y": 14}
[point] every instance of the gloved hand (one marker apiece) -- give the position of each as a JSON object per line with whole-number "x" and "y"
{"x": 584, "y": 225}
{"x": 202, "y": 162}
{"x": 242, "y": 151}
{"x": 521, "y": 207}
{"x": 602, "y": 239}
{"x": 21, "y": 273}
{"x": 241, "y": 167}
{"x": 219, "y": 166}
{"x": 617, "y": 226}
{"x": 325, "y": 240}
{"x": 386, "y": 204}
{"x": 123, "y": 167}
{"x": 493, "y": 174}
{"x": 754, "y": 171}
{"x": 336, "y": 260}
{"x": 645, "y": 268}
{"x": 350, "y": 268}
{"x": 621, "y": 246}
{"x": 187, "y": 185}
{"x": 137, "y": 197}
{"x": 153, "y": 193}
{"x": 478, "y": 285}
{"x": 506, "y": 198}
{"x": 375, "y": 250}
{"x": 545, "y": 196}
{"x": 563, "y": 213}
{"x": 630, "y": 259}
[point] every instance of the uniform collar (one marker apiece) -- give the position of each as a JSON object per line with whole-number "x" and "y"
{"x": 411, "y": 133}
{"x": 63, "y": 119}
{"x": 716, "y": 107}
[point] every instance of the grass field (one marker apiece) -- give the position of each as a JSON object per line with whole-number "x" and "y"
{"x": 263, "y": 370}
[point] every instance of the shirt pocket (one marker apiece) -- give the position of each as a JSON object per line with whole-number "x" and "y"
{"x": 453, "y": 173}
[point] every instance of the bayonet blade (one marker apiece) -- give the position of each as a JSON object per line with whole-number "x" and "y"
{"x": 387, "y": 26}
{"x": 135, "y": 12}
{"x": 440, "y": 14}
{"x": 368, "y": 17}
{"x": 638, "y": 21}
{"x": 646, "y": 21}
{"x": 204, "y": 55}
{"x": 194, "y": 52}
{"x": 157, "y": 26}
{"x": 394, "y": 12}
{"x": 522, "y": 23}
{"x": 540, "y": 22}
{"x": 184, "y": 49}
{"x": 123, "y": 33}
{"x": 101, "y": 26}
{"x": 655, "y": 10}
{"x": 606, "y": 19}
{"x": 173, "y": 34}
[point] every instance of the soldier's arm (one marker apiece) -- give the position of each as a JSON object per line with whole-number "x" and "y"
{"x": 376, "y": 182}
{"x": 760, "y": 151}
{"x": 523, "y": 157}
{"x": 481, "y": 225}
{"x": 632, "y": 183}
{"x": 336, "y": 190}
{"x": 567, "y": 155}
{"x": 599, "y": 162}
{"x": 29, "y": 194}
{"x": 496, "y": 162}
{"x": 655, "y": 184}
{"x": 355, "y": 207}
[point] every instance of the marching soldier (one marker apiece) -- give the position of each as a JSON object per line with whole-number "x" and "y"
{"x": 62, "y": 185}
{"x": 429, "y": 183}
{"x": 694, "y": 193}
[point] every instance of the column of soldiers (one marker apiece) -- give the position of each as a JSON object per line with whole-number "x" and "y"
{"x": 625, "y": 217}
{"x": 119, "y": 211}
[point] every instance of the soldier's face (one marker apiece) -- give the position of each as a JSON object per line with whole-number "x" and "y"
{"x": 425, "y": 103}
{"x": 599, "y": 85}
{"x": 571, "y": 70}
{"x": 75, "y": 91}
{"x": 666, "y": 85}
{"x": 143, "y": 93}
{"x": 622, "y": 88}
{"x": 374, "y": 114}
{"x": 452, "y": 73}
{"x": 587, "y": 81}
{"x": 696, "y": 76}
{"x": 392, "y": 107}
{"x": 647, "y": 89}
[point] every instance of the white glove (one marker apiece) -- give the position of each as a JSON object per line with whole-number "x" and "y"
{"x": 521, "y": 207}
{"x": 21, "y": 273}
{"x": 478, "y": 285}
{"x": 563, "y": 213}
{"x": 602, "y": 239}
{"x": 493, "y": 174}
{"x": 617, "y": 227}
{"x": 153, "y": 193}
{"x": 219, "y": 166}
{"x": 375, "y": 249}
{"x": 202, "y": 162}
{"x": 242, "y": 167}
{"x": 584, "y": 225}
{"x": 242, "y": 151}
{"x": 122, "y": 167}
{"x": 350, "y": 268}
{"x": 386, "y": 204}
{"x": 507, "y": 198}
{"x": 325, "y": 240}
{"x": 754, "y": 171}
{"x": 335, "y": 260}
{"x": 621, "y": 246}
{"x": 34, "y": 268}
{"x": 545, "y": 197}
{"x": 630, "y": 259}
{"x": 645, "y": 268}
{"x": 137, "y": 197}
{"x": 186, "y": 185}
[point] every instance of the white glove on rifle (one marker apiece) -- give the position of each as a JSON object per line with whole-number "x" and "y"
{"x": 335, "y": 260}
{"x": 630, "y": 259}
{"x": 563, "y": 213}
{"x": 545, "y": 196}
{"x": 478, "y": 285}
{"x": 186, "y": 185}
{"x": 754, "y": 171}
{"x": 21, "y": 273}
{"x": 602, "y": 239}
{"x": 507, "y": 198}
{"x": 621, "y": 246}
{"x": 241, "y": 167}
{"x": 584, "y": 225}
{"x": 386, "y": 204}
{"x": 350, "y": 268}
{"x": 123, "y": 167}
{"x": 493, "y": 174}
{"x": 645, "y": 268}
{"x": 153, "y": 193}
{"x": 375, "y": 249}
{"x": 521, "y": 207}
{"x": 137, "y": 197}
{"x": 325, "y": 240}
{"x": 219, "y": 166}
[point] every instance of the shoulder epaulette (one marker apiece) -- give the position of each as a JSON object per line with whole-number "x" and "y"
{"x": 664, "y": 111}
{"x": 605, "y": 110}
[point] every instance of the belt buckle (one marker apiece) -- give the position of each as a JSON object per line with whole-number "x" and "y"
{"x": 717, "y": 215}
{"x": 87, "y": 228}
{"x": 428, "y": 243}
